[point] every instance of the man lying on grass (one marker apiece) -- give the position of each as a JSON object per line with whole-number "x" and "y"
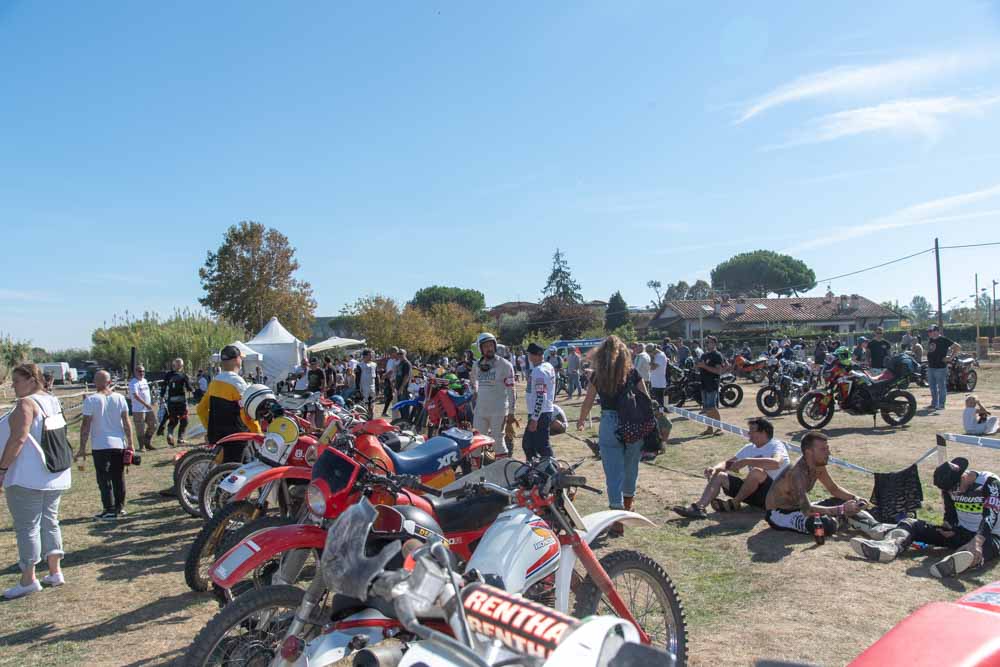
{"x": 764, "y": 459}
{"x": 788, "y": 505}
{"x": 971, "y": 523}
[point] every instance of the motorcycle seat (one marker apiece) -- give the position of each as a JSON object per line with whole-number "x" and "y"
{"x": 885, "y": 376}
{"x": 424, "y": 459}
{"x": 471, "y": 513}
{"x": 460, "y": 436}
{"x": 459, "y": 399}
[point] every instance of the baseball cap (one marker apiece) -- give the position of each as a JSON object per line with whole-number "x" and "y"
{"x": 230, "y": 352}
{"x": 948, "y": 475}
{"x": 933, "y": 327}
{"x": 535, "y": 348}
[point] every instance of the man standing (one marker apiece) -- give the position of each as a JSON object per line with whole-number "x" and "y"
{"x": 860, "y": 353}
{"x": 710, "y": 367}
{"x": 402, "y": 372}
{"x": 301, "y": 375}
{"x": 220, "y": 409}
{"x": 388, "y": 379}
{"x": 641, "y": 361}
{"x": 573, "y": 363}
{"x": 971, "y": 523}
{"x": 493, "y": 386}
{"x": 315, "y": 377}
{"x": 658, "y": 370}
{"x": 907, "y": 340}
{"x": 176, "y": 387}
{"x": 106, "y": 425}
{"x": 939, "y": 353}
{"x": 878, "y": 350}
{"x": 683, "y": 352}
{"x": 764, "y": 459}
{"x": 541, "y": 395}
{"x": 819, "y": 353}
{"x": 202, "y": 384}
{"x": 367, "y": 371}
{"x": 143, "y": 415}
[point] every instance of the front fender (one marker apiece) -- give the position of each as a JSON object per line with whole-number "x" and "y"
{"x": 265, "y": 476}
{"x": 236, "y": 481}
{"x": 410, "y": 403}
{"x": 241, "y": 437}
{"x": 262, "y": 546}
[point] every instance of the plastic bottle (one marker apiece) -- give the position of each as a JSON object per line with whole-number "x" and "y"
{"x": 819, "y": 530}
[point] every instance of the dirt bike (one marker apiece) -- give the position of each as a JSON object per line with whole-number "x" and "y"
{"x": 754, "y": 370}
{"x": 962, "y": 375}
{"x": 784, "y": 389}
{"x": 685, "y": 385}
{"x": 857, "y": 393}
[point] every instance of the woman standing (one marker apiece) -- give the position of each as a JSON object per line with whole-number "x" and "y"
{"x": 32, "y": 491}
{"x": 612, "y": 370}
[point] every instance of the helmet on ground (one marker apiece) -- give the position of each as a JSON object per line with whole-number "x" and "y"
{"x": 339, "y": 400}
{"x": 843, "y": 355}
{"x": 485, "y": 337}
{"x": 255, "y": 397}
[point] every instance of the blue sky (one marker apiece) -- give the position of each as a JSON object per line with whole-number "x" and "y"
{"x": 400, "y": 145}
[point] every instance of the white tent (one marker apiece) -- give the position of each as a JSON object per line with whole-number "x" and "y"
{"x": 252, "y": 359}
{"x": 282, "y": 351}
{"x": 335, "y": 343}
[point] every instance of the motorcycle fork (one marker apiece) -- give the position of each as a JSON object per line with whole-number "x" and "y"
{"x": 303, "y": 615}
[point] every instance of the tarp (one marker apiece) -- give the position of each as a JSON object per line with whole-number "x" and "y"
{"x": 334, "y": 343}
{"x": 249, "y": 354}
{"x": 583, "y": 344}
{"x": 282, "y": 351}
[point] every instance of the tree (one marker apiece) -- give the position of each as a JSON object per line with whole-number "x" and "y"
{"x": 676, "y": 291}
{"x": 920, "y": 309}
{"x": 12, "y": 353}
{"x": 558, "y": 318}
{"x": 416, "y": 333}
{"x": 455, "y": 327}
{"x": 700, "y": 290}
{"x": 249, "y": 280}
{"x": 763, "y": 272}
{"x": 560, "y": 284}
{"x": 656, "y": 286}
{"x": 513, "y": 328}
{"x": 470, "y": 299}
{"x": 616, "y": 313}
{"x": 377, "y": 318}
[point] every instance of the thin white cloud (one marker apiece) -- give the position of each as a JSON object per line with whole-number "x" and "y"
{"x": 923, "y": 117}
{"x": 25, "y": 296}
{"x": 945, "y": 210}
{"x": 865, "y": 79}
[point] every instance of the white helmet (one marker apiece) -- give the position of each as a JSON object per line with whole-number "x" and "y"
{"x": 485, "y": 337}
{"x": 254, "y": 397}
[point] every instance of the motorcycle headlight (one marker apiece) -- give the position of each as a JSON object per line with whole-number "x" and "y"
{"x": 271, "y": 445}
{"x": 316, "y": 499}
{"x": 311, "y": 455}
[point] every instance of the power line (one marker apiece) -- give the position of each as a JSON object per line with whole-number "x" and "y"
{"x": 971, "y": 245}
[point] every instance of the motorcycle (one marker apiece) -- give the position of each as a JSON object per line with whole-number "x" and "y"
{"x": 685, "y": 385}
{"x": 962, "y": 375}
{"x": 446, "y": 407}
{"x": 754, "y": 370}
{"x": 857, "y": 393}
{"x": 784, "y": 389}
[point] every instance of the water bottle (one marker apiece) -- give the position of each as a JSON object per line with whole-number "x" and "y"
{"x": 819, "y": 530}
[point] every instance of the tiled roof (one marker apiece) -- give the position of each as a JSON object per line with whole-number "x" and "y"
{"x": 790, "y": 309}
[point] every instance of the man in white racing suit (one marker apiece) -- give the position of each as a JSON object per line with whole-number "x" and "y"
{"x": 493, "y": 386}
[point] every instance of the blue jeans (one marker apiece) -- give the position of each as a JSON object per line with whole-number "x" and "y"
{"x": 573, "y": 383}
{"x": 937, "y": 378}
{"x": 536, "y": 443}
{"x": 620, "y": 461}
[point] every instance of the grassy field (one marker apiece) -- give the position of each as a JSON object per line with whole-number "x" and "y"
{"x": 750, "y": 593}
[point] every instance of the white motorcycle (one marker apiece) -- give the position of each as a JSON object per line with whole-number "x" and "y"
{"x": 531, "y": 548}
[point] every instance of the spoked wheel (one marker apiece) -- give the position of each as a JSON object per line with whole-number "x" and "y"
{"x": 201, "y": 555}
{"x": 812, "y": 413}
{"x": 211, "y": 497}
{"x": 248, "y": 632}
{"x": 649, "y": 594}
{"x": 971, "y": 380}
{"x": 730, "y": 395}
{"x": 757, "y": 376}
{"x": 770, "y": 401}
{"x": 191, "y": 474}
{"x": 899, "y": 407}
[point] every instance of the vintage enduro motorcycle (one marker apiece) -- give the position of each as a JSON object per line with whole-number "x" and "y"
{"x": 784, "y": 389}
{"x": 530, "y": 548}
{"x": 857, "y": 393}
{"x": 685, "y": 385}
{"x": 755, "y": 370}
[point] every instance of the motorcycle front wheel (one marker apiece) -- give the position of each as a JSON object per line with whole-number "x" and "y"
{"x": 898, "y": 407}
{"x": 211, "y": 498}
{"x": 770, "y": 401}
{"x": 648, "y": 592}
{"x": 247, "y": 632}
{"x": 201, "y": 555}
{"x": 812, "y": 414}
{"x": 261, "y": 576}
{"x": 971, "y": 380}
{"x": 730, "y": 395}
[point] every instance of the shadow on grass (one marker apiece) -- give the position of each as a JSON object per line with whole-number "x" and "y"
{"x": 880, "y": 430}
{"x": 770, "y": 546}
{"x": 729, "y": 523}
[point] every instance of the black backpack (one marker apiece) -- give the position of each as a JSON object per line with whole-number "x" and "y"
{"x": 56, "y": 450}
{"x": 635, "y": 412}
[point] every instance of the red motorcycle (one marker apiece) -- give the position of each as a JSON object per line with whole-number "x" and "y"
{"x": 446, "y": 407}
{"x": 755, "y": 370}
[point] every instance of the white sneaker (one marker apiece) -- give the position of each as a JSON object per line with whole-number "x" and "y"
{"x": 866, "y": 523}
{"x": 958, "y": 562}
{"x": 879, "y": 551}
{"x": 20, "y": 591}
{"x": 54, "y": 580}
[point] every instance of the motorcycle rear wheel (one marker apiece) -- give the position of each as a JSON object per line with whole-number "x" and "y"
{"x": 903, "y": 407}
{"x": 971, "y": 380}
{"x": 190, "y": 476}
{"x": 201, "y": 555}
{"x": 770, "y": 401}
{"x": 211, "y": 498}
{"x": 258, "y": 622}
{"x": 808, "y": 414}
{"x": 757, "y": 376}
{"x": 631, "y": 571}
{"x": 730, "y": 395}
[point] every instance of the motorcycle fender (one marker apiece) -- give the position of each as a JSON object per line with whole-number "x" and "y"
{"x": 411, "y": 403}
{"x": 237, "y": 481}
{"x": 240, "y": 437}
{"x": 331, "y": 647}
{"x": 260, "y": 547}
{"x": 265, "y": 476}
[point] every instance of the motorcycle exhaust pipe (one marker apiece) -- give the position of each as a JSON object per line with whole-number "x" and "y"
{"x": 380, "y": 655}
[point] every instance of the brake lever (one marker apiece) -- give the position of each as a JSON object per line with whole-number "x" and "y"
{"x": 590, "y": 488}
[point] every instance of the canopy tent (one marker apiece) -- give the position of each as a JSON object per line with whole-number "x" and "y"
{"x": 252, "y": 359}
{"x": 583, "y": 343}
{"x": 281, "y": 350}
{"x": 335, "y": 343}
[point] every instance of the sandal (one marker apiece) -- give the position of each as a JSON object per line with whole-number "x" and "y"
{"x": 718, "y": 505}
{"x": 692, "y": 511}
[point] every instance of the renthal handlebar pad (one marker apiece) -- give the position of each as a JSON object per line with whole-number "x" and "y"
{"x": 521, "y": 625}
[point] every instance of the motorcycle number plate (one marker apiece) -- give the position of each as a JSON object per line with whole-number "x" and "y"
{"x": 241, "y": 554}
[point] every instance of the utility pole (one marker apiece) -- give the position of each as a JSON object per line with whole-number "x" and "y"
{"x": 937, "y": 264}
{"x": 993, "y": 307}
{"x": 976, "y": 297}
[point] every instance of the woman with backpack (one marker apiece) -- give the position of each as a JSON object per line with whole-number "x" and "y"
{"x": 33, "y": 490}
{"x": 622, "y": 425}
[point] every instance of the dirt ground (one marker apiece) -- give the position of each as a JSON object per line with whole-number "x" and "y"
{"x": 750, "y": 593}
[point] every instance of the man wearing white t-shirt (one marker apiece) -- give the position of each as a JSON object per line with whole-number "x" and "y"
{"x": 389, "y": 379}
{"x": 143, "y": 415}
{"x": 764, "y": 458}
{"x": 657, "y": 372}
{"x": 106, "y": 425}
{"x": 641, "y": 361}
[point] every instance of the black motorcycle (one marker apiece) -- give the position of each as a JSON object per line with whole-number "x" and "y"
{"x": 685, "y": 385}
{"x": 857, "y": 393}
{"x": 785, "y": 386}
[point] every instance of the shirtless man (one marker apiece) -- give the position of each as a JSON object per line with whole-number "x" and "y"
{"x": 788, "y": 506}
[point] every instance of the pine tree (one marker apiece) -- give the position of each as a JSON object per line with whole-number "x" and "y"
{"x": 616, "y": 314}
{"x": 560, "y": 284}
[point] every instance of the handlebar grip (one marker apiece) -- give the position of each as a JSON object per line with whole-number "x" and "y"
{"x": 566, "y": 481}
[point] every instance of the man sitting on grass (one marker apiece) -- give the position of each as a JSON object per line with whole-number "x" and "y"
{"x": 788, "y": 505}
{"x": 764, "y": 459}
{"x": 971, "y": 523}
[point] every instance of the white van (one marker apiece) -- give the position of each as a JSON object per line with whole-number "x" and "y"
{"x": 60, "y": 371}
